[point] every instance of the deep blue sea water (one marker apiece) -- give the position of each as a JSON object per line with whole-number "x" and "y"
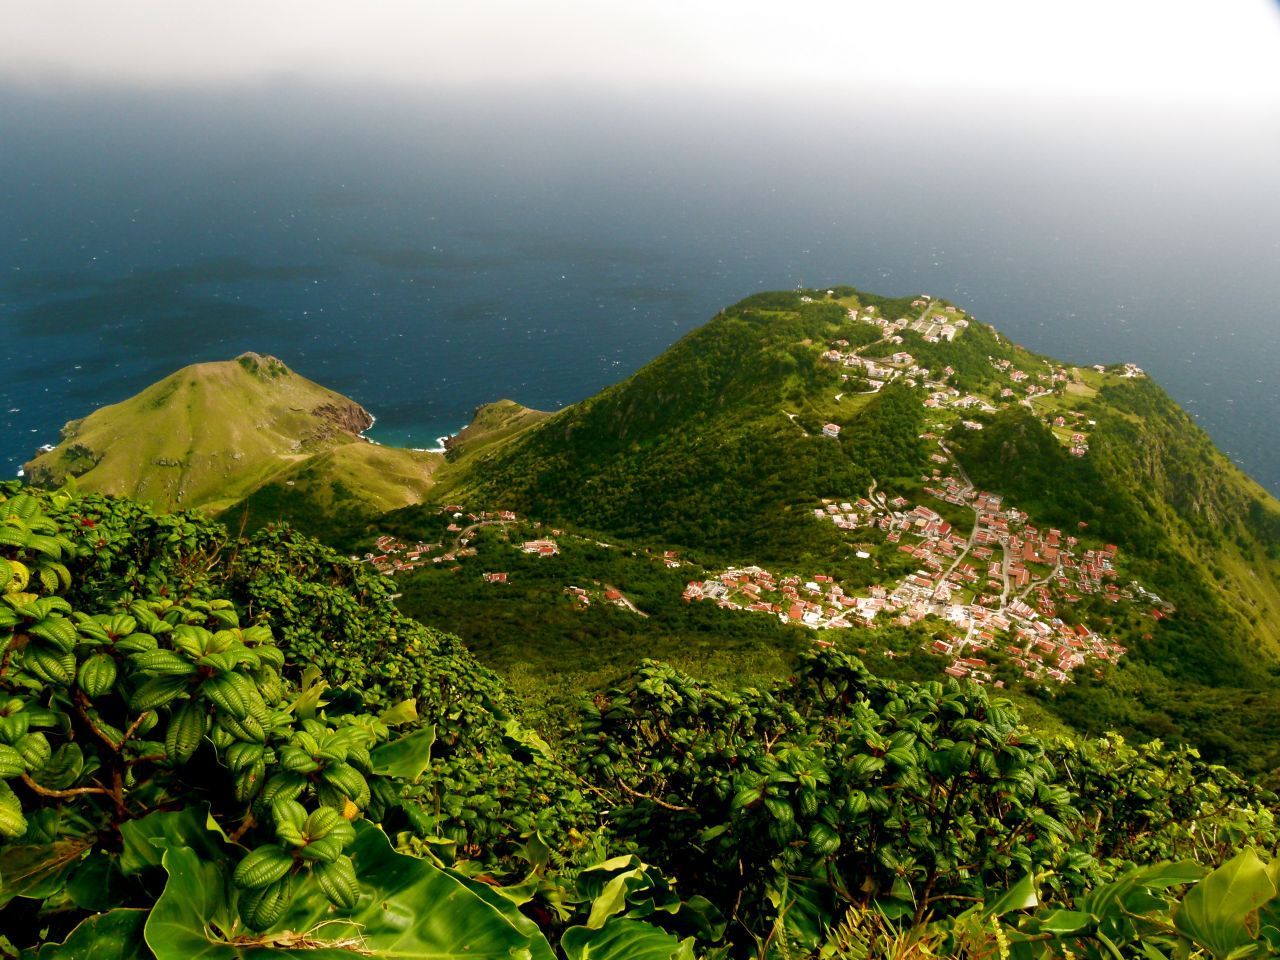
{"x": 426, "y": 254}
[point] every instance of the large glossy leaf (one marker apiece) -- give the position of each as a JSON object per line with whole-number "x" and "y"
{"x": 116, "y": 935}
{"x": 407, "y": 757}
{"x": 37, "y": 870}
{"x": 1020, "y": 896}
{"x": 613, "y": 898}
{"x": 502, "y": 901}
{"x": 146, "y": 839}
{"x": 622, "y": 939}
{"x": 412, "y": 910}
{"x": 196, "y": 904}
{"x": 96, "y": 883}
{"x": 195, "y": 919}
{"x": 1214, "y": 913}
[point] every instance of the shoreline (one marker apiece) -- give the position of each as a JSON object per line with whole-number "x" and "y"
{"x": 405, "y": 440}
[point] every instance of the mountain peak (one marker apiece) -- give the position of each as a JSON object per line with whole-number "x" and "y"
{"x": 263, "y": 365}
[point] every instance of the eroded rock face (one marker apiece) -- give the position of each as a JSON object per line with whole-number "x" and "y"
{"x": 335, "y": 419}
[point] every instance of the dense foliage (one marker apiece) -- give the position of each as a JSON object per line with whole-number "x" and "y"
{"x": 840, "y": 790}
{"x": 208, "y": 748}
{"x": 716, "y": 443}
{"x": 213, "y": 747}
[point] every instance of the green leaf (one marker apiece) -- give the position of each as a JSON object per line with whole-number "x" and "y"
{"x": 1214, "y": 911}
{"x": 37, "y": 870}
{"x": 146, "y": 839}
{"x": 406, "y": 758}
{"x": 412, "y": 910}
{"x": 197, "y": 902}
{"x": 58, "y": 631}
{"x": 97, "y": 883}
{"x": 1020, "y": 896}
{"x": 1064, "y": 921}
{"x": 406, "y": 711}
{"x": 308, "y": 701}
{"x": 613, "y": 899}
{"x": 624, "y": 940}
{"x": 116, "y": 935}
{"x": 500, "y": 899}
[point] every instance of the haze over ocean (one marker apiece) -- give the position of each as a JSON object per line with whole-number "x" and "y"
{"x": 428, "y": 253}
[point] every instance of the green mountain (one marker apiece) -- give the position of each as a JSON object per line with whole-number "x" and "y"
{"x": 1065, "y": 532}
{"x": 717, "y": 448}
{"x": 222, "y": 738}
{"x": 717, "y": 445}
{"x": 211, "y": 433}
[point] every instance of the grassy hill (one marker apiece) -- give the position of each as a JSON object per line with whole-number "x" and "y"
{"x": 339, "y": 489}
{"x": 211, "y": 433}
{"x": 340, "y": 494}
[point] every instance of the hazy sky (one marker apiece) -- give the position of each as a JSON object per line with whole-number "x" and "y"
{"x": 1224, "y": 52}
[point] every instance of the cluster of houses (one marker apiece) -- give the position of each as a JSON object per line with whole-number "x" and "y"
{"x": 935, "y": 324}
{"x": 879, "y": 371}
{"x": 582, "y": 596}
{"x": 540, "y": 548}
{"x": 1079, "y": 440}
{"x": 392, "y": 555}
{"x": 817, "y": 602}
{"x": 943, "y": 397}
{"x": 1130, "y": 371}
{"x": 997, "y": 587}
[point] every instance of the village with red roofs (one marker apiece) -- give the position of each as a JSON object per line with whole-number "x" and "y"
{"x": 984, "y": 581}
{"x": 1001, "y": 584}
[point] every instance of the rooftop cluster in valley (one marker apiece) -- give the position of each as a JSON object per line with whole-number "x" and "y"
{"x": 392, "y": 555}
{"x": 1004, "y": 585}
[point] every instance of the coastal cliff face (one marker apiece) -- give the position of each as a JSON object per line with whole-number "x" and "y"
{"x": 335, "y": 420}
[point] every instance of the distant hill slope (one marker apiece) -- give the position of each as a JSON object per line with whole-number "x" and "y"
{"x": 715, "y": 444}
{"x": 339, "y": 493}
{"x": 211, "y": 433}
{"x": 717, "y": 447}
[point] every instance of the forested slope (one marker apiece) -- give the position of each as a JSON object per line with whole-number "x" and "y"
{"x": 229, "y": 748}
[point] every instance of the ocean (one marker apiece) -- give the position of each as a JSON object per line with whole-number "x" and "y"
{"x": 428, "y": 253}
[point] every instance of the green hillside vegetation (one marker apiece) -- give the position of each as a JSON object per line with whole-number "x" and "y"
{"x": 214, "y": 746}
{"x": 492, "y": 425}
{"x": 339, "y": 495}
{"x": 698, "y": 449}
{"x": 1203, "y": 536}
{"x": 337, "y": 492}
{"x": 211, "y": 433}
